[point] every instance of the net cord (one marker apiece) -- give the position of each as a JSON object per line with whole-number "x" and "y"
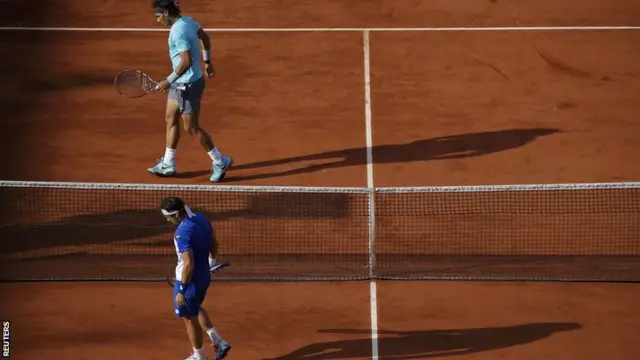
{"x": 310, "y": 189}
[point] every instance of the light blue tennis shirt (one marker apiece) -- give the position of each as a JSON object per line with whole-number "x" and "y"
{"x": 183, "y": 36}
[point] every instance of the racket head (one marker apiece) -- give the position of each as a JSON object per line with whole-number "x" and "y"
{"x": 221, "y": 266}
{"x": 133, "y": 83}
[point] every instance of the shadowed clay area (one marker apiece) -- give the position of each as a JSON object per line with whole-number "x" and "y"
{"x": 396, "y": 345}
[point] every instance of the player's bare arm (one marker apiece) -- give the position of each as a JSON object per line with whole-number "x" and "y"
{"x": 187, "y": 269}
{"x": 187, "y": 273}
{"x": 206, "y": 52}
{"x": 185, "y": 64}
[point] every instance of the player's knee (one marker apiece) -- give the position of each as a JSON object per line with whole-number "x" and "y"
{"x": 190, "y": 123}
{"x": 193, "y": 131}
{"x": 189, "y": 318}
{"x": 191, "y": 127}
{"x": 171, "y": 119}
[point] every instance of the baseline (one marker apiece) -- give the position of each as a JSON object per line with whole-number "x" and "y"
{"x": 497, "y": 28}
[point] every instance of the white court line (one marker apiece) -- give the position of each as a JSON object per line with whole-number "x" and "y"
{"x": 417, "y": 29}
{"x": 373, "y": 293}
{"x": 366, "y": 46}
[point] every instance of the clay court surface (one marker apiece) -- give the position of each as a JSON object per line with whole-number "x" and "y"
{"x": 448, "y": 108}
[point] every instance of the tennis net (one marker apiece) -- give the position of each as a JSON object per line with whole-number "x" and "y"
{"x": 91, "y": 231}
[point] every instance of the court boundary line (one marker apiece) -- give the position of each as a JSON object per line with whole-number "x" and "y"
{"x": 338, "y": 29}
{"x": 373, "y": 289}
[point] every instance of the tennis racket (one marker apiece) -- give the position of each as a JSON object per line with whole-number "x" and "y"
{"x": 213, "y": 270}
{"x": 134, "y": 83}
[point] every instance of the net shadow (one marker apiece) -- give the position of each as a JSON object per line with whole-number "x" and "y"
{"x": 130, "y": 224}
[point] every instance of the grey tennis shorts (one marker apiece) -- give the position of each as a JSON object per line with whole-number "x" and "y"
{"x": 189, "y": 99}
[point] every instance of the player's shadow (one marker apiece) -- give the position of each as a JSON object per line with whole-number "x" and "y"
{"x": 440, "y": 148}
{"x": 397, "y": 345}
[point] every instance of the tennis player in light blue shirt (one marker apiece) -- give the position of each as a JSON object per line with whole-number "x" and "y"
{"x": 183, "y": 36}
{"x": 185, "y": 85}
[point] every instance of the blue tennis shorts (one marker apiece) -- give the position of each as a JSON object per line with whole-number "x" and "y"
{"x": 196, "y": 292}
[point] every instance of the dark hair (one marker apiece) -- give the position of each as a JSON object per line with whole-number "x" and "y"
{"x": 172, "y": 204}
{"x": 171, "y": 6}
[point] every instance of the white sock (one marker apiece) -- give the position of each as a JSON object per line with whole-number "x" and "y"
{"x": 199, "y": 353}
{"x": 169, "y": 156}
{"x": 215, "y": 155}
{"x": 213, "y": 335}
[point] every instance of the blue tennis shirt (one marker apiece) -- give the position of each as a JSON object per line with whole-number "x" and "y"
{"x": 194, "y": 234}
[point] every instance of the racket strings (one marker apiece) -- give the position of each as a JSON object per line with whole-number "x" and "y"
{"x": 133, "y": 83}
{"x": 147, "y": 84}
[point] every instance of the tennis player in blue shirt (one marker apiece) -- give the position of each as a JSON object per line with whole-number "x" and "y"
{"x": 185, "y": 36}
{"x": 196, "y": 247}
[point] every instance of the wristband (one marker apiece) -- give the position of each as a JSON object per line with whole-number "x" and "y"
{"x": 173, "y": 77}
{"x": 182, "y": 289}
{"x": 206, "y": 55}
{"x": 212, "y": 262}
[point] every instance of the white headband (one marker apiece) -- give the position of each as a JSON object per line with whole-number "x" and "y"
{"x": 187, "y": 209}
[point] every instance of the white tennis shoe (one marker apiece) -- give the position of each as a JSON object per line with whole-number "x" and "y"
{"x": 163, "y": 170}
{"x": 222, "y": 349}
{"x": 194, "y": 357}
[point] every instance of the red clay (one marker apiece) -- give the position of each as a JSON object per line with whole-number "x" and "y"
{"x": 487, "y": 108}
{"x": 268, "y": 88}
{"x": 135, "y": 320}
{"x": 332, "y": 13}
{"x": 281, "y": 96}
{"x": 527, "y": 321}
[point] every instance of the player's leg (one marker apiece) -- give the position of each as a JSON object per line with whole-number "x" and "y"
{"x": 221, "y": 346}
{"x": 189, "y": 314}
{"x": 207, "y": 326}
{"x": 190, "y": 119}
{"x": 194, "y": 332}
{"x": 166, "y": 165}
